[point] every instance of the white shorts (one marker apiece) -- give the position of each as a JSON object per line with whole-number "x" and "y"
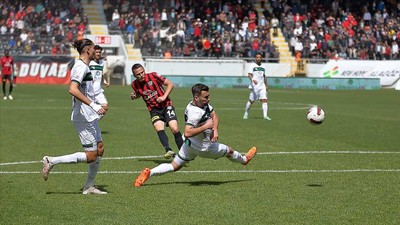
{"x": 214, "y": 151}
{"x": 89, "y": 133}
{"x": 101, "y": 99}
{"x": 258, "y": 94}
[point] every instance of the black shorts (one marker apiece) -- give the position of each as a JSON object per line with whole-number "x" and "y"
{"x": 5, "y": 77}
{"x": 164, "y": 114}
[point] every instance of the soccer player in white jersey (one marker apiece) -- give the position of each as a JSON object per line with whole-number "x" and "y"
{"x": 201, "y": 134}
{"x": 258, "y": 87}
{"x": 85, "y": 118}
{"x": 99, "y": 70}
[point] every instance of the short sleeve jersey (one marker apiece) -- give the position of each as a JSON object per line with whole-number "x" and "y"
{"x": 97, "y": 73}
{"x": 81, "y": 74}
{"x": 6, "y": 65}
{"x": 150, "y": 89}
{"x": 258, "y": 74}
{"x": 196, "y": 117}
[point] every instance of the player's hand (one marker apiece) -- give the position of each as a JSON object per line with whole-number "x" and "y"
{"x": 133, "y": 95}
{"x": 160, "y": 99}
{"x": 255, "y": 82}
{"x": 209, "y": 124}
{"x": 98, "y": 108}
{"x": 106, "y": 83}
{"x": 214, "y": 136}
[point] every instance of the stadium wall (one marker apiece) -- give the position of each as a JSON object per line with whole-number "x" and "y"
{"x": 349, "y": 74}
{"x": 341, "y": 74}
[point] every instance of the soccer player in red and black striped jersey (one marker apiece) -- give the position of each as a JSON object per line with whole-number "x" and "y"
{"x": 7, "y": 67}
{"x": 150, "y": 86}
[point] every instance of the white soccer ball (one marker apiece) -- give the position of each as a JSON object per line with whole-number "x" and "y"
{"x": 315, "y": 115}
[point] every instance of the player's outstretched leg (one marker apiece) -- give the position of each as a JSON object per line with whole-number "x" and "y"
{"x": 250, "y": 155}
{"x": 47, "y": 166}
{"x": 144, "y": 175}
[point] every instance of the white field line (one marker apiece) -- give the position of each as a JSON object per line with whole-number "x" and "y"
{"x": 259, "y": 153}
{"x": 216, "y": 171}
{"x": 142, "y": 108}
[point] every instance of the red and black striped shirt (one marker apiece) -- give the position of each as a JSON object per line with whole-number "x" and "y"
{"x": 150, "y": 89}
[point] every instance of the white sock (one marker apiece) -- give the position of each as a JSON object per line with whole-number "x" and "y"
{"x": 161, "y": 169}
{"x": 237, "y": 157}
{"x": 248, "y": 105}
{"x": 92, "y": 172}
{"x": 72, "y": 158}
{"x": 265, "y": 109}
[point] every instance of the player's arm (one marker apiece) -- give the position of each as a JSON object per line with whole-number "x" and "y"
{"x": 215, "y": 119}
{"x": 106, "y": 73}
{"x": 74, "y": 91}
{"x": 250, "y": 75}
{"x": 191, "y": 131}
{"x": 134, "y": 95}
{"x": 266, "y": 83}
{"x": 169, "y": 86}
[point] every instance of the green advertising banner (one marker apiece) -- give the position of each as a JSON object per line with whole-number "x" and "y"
{"x": 281, "y": 82}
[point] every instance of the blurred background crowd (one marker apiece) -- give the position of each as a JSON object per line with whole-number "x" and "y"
{"x": 318, "y": 29}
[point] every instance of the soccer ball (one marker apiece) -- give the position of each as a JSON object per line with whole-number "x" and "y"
{"x": 315, "y": 115}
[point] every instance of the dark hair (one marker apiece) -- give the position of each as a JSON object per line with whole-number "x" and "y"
{"x": 198, "y": 88}
{"x": 98, "y": 47}
{"x": 82, "y": 43}
{"x": 136, "y": 66}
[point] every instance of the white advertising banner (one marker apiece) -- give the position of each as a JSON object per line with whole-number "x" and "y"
{"x": 387, "y": 71}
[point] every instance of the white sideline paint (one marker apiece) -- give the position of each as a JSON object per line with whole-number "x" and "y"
{"x": 258, "y": 153}
{"x": 216, "y": 171}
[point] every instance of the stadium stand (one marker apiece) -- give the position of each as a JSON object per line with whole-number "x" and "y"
{"x": 40, "y": 27}
{"x": 326, "y": 29}
{"x": 315, "y": 29}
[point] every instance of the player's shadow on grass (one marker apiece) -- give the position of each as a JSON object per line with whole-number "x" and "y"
{"x": 201, "y": 183}
{"x": 100, "y": 187}
{"x": 314, "y": 185}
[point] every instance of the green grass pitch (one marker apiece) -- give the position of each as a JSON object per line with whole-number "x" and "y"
{"x": 344, "y": 171}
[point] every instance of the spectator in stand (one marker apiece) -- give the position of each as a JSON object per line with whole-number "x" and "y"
{"x": 164, "y": 18}
{"x": 275, "y": 24}
{"x": 157, "y": 18}
{"x": 131, "y": 31}
{"x": 298, "y": 48}
{"x": 298, "y": 30}
{"x": 34, "y": 47}
{"x": 115, "y": 15}
{"x": 3, "y": 28}
{"x": 262, "y": 22}
{"x": 12, "y": 42}
{"x": 395, "y": 50}
{"x": 69, "y": 36}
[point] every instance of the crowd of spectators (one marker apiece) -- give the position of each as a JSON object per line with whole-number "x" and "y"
{"x": 318, "y": 29}
{"x": 40, "y": 26}
{"x": 341, "y": 29}
{"x": 232, "y": 28}
{"x": 177, "y": 28}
